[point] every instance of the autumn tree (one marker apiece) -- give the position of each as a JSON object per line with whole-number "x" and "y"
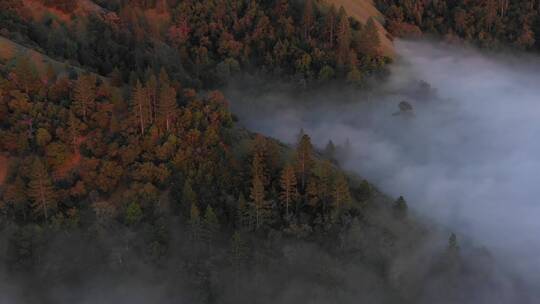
{"x": 84, "y": 96}
{"x": 330, "y": 25}
{"x": 289, "y": 193}
{"x": 41, "y": 190}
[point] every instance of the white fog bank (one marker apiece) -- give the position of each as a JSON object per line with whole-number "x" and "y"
{"x": 468, "y": 159}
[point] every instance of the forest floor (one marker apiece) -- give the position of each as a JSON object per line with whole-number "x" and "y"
{"x": 362, "y": 10}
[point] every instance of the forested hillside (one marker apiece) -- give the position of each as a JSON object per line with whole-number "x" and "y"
{"x": 493, "y": 24}
{"x": 124, "y": 177}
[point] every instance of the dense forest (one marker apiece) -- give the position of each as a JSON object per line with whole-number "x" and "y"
{"x": 492, "y": 24}
{"x": 124, "y": 163}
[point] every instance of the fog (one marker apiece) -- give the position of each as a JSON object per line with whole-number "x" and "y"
{"x": 468, "y": 157}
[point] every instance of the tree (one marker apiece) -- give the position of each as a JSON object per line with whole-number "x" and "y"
{"x": 41, "y": 189}
{"x": 342, "y": 194}
{"x": 308, "y": 18}
{"x": 140, "y": 101}
{"x": 134, "y": 213}
{"x": 245, "y": 219}
{"x": 260, "y": 205}
{"x": 25, "y": 73}
{"x": 167, "y": 105}
{"x": 330, "y": 25}
{"x": 369, "y": 42}
{"x": 304, "y": 159}
{"x": 195, "y": 225}
{"x": 152, "y": 95}
{"x": 16, "y": 196}
{"x": 73, "y": 131}
{"x": 400, "y": 208}
{"x": 238, "y": 254}
{"x": 343, "y": 37}
{"x": 289, "y": 193}
{"x": 210, "y": 227}
{"x": 84, "y": 96}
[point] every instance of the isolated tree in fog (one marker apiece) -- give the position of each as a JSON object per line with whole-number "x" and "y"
{"x": 304, "y": 159}
{"x": 400, "y": 208}
{"x": 84, "y": 96}
{"x": 289, "y": 193}
{"x": 41, "y": 189}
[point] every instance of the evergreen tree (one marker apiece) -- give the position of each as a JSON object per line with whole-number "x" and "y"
{"x": 369, "y": 41}
{"x": 84, "y": 97}
{"x": 260, "y": 205}
{"x": 308, "y": 18}
{"x": 400, "y": 208}
{"x": 289, "y": 192}
{"x": 41, "y": 190}
{"x": 139, "y": 102}
{"x": 342, "y": 195}
{"x": 167, "y": 105}
{"x": 343, "y": 37}
{"x": 304, "y": 159}
{"x": 210, "y": 227}
{"x": 195, "y": 224}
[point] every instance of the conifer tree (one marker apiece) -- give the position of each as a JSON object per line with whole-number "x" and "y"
{"x": 244, "y": 215}
{"x": 153, "y": 95}
{"x": 342, "y": 194}
{"x": 308, "y": 18}
{"x": 139, "y": 101}
{"x": 195, "y": 224}
{"x": 304, "y": 159}
{"x": 289, "y": 192}
{"x": 369, "y": 41}
{"x": 210, "y": 227}
{"x": 85, "y": 95}
{"x": 343, "y": 37}
{"x": 330, "y": 25}
{"x": 41, "y": 190}
{"x": 73, "y": 131}
{"x": 260, "y": 205}
{"x": 400, "y": 208}
{"x": 167, "y": 105}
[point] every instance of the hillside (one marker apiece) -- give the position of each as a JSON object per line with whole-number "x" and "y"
{"x": 362, "y": 10}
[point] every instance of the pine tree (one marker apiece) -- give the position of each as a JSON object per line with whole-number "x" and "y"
{"x": 369, "y": 42}
{"x": 400, "y": 208}
{"x": 308, "y": 18}
{"x": 343, "y": 37}
{"x": 139, "y": 101}
{"x": 342, "y": 194}
{"x": 260, "y": 205}
{"x": 84, "y": 96}
{"x": 41, "y": 190}
{"x": 167, "y": 105}
{"x": 289, "y": 193}
{"x": 195, "y": 225}
{"x": 330, "y": 25}
{"x": 73, "y": 131}
{"x": 153, "y": 94}
{"x": 257, "y": 167}
{"x": 210, "y": 227}
{"x": 244, "y": 215}
{"x": 304, "y": 159}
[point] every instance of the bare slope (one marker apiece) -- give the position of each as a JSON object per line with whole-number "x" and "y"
{"x": 362, "y": 10}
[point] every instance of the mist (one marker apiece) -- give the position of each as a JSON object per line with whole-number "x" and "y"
{"x": 467, "y": 158}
